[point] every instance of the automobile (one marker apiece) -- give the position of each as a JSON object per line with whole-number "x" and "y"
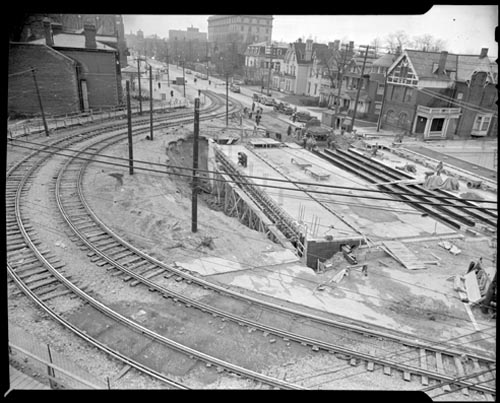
{"x": 314, "y": 121}
{"x": 237, "y": 81}
{"x": 189, "y": 72}
{"x": 284, "y": 108}
{"x": 234, "y": 88}
{"x": 301, "y": 116}
{"x": 256, "y": 97}
{"x": 268, "y": 101}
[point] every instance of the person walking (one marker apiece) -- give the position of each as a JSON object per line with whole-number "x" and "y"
{"x": 253, "y": 106}
{"x": 289, "y": 130}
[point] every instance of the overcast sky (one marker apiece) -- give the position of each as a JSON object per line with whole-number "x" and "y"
{"x": 465, "y": 29}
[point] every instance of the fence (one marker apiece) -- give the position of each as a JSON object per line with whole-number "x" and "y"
{"x": 58, "y": 122}
{"x": 61, "y": 370}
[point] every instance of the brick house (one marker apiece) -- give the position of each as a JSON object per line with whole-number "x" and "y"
{"x": 441, "y": 95}
{"x": 75, "y": 73}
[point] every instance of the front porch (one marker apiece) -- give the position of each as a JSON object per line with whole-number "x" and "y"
{"x": 436, "y": 123}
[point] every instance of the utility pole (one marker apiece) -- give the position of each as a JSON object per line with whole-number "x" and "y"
{"x": 129, "y": 121}
{"x": 270, "y": 69}
{"x": 184, "y": 77}
{"x": 139, "y": 79}
{"x": 151, "y": 101}
{"x": 379, "y": 120}
{"x": 168, "y": 74}
{"x": 40, "y": 102}
{"x": 227, "y": 99}
{"x": 194, "y": 192}
{"x": 340, "y": 79}
{"x": 359, "y": 88}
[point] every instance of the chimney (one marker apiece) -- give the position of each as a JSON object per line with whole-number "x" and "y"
{"x": 56, "y": 28}
{"x": 49, "y": 39}
{"x": 309, "y": 49}
{"x": 89, "y": 32}
{"x": 442, "y": 62}
{"x": 484, "y": 53}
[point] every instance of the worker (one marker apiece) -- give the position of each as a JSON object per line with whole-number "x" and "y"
{"x": 289, "y": 130}
{"x": 364, "y": 270}
{"x": 439, "y": 168}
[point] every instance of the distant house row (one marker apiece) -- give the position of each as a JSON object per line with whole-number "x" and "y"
{"x": 435, "y": 94}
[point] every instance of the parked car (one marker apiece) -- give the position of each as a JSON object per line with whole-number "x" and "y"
{"x": 268, "y": 101}
{"x": 256, "y": 97}
{"x": 234, "y": 88}
{"x": 284, "y": 108}
{"x": 189, "y": 72}
{"x": 301, "y": 116}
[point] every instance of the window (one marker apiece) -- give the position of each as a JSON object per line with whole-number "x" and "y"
{"x": 482, "y": 123}
{"x": 437, "y": 124}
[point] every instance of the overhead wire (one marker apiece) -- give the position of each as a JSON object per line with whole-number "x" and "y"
{"x": 261, "y": 178}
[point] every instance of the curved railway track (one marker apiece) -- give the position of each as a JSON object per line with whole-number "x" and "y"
{"x": 44, "y": 280}
{"x": 107, "y": 249}
{"x": 132, "y": 265}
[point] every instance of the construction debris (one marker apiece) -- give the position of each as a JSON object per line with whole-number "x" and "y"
{"x": 449, "y": 247}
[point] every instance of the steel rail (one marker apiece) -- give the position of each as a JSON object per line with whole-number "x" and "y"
{"x": 458, "y": 202}
{"x": 240, "y": 320}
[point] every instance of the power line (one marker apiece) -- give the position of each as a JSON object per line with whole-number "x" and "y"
{"x": 168, "y": 166}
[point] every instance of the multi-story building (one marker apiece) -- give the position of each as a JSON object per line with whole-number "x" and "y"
{"x": 75, "y": 72}
{"x": 190, "y": 34}
{"x": 248, "y": 28}
{"x": 295, "y": 69}
{"x": 440, "y": 95}
{"x": 262, "y": 60}
{"x": 229, "y": 36}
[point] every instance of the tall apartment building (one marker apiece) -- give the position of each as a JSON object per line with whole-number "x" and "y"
{"x": 248, "y": 28}
{"x": 190, "y": 34}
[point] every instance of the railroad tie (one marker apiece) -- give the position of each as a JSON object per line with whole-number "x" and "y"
{"x": 423, "y": 365}
{"x": 440, "y": 369}
{"x": 461, "y": 373}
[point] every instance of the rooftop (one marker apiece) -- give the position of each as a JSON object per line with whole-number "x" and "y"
{"x": 70, "y": 40}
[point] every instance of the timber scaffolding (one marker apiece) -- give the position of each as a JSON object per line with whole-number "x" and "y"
{"x": 244, "y": 200}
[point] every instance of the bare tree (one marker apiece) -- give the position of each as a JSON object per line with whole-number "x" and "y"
{"x": 395, "y": 40}
{"x": 427, "y": 42}
{"x": 336, "y": 66}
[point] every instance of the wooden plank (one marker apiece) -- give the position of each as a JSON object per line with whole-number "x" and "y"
{"x": 440, "y": 368}
{"x": 387, "y": 370}
{"x": 471, "y": 287}
{"x": 406, "y": 376}
{"x": 370, "y": 366}
{"x": 461, "y": 373}
{"x": 423, "y": 365}
{"x": 402, "y": 254}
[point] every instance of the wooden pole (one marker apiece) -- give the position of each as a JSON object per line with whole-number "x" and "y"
{"x": 139, "y": 80}
{"x": 129, "y": 121}
{"x": 359, "y": 90}
{"x": 151, "y": 102}
{"x": 194, "y": 194}
{"x": 40, "y": 102}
